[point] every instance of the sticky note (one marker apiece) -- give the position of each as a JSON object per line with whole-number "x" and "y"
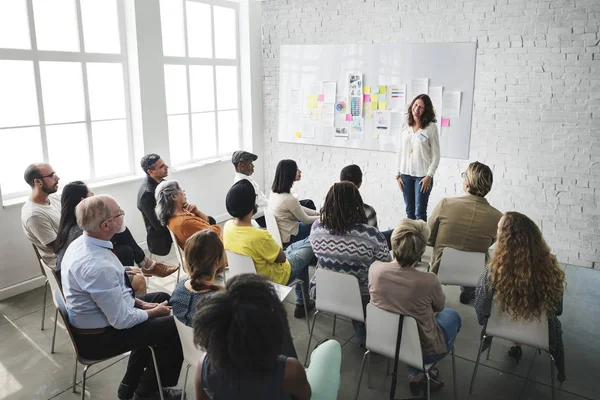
{"x": 374, "y": 98}
{"x": 445, "y": 122}
{"x": 349, "y": 117}
{"x": 375, "y": 135}
{"x": 367, "y": 98}
{"x": 382, "y": 105}
{"x": 375, "y": 90}
{"x": 298, "y": 134}
{"x": 321, "y": 97}
{"x": 367, "y": 89}
{"x": 383, "y": 89}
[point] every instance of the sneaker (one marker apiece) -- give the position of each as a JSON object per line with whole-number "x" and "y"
{"x": 160, "y": 269}
{"x": 168, "y": 394}
{"x": 299, "y": 311}
{"x": 466, "y": 297}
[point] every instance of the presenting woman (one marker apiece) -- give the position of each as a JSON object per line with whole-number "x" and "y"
{"x": 418, "y": 156}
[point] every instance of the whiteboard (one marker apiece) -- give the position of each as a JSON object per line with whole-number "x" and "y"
{"x": 447, "y": 65}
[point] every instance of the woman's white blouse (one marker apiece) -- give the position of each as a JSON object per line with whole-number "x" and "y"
{"x": 418, "y": 152}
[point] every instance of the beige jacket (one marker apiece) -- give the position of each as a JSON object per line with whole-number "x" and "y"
{"x": 466, "y": 223}
{"x": 288, "y": 212}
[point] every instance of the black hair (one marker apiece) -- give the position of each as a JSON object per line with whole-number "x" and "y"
{"x": 343, "y": 208}
{"x": 242, "y": 328}
{"x": 149, "y": 162}
{"x": 72, "y": 194}
{"x": 428, "y": 115}
{"x": 351, "y": 173}
{"x": 32, "y": 172}
{"x": 285, "y": 176}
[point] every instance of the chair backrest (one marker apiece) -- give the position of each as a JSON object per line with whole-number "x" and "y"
{"x": 461, "y": 268}
{"x": 39, "y": 257}
{"x": 239, "y": 264}
{"x": 339, "y": 294}
{"x": 178, "y": 252}
{"x": 382, "y": 334}
{"x": 54, "y": 286}
{"x": 191, "y": 353}
{"x": 534, "y": 333}
{"x": 272, "y": 227}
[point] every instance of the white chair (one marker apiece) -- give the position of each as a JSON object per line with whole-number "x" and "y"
{"x": 382, "y": 336}
{"x": 337, "y": 294}
{"x": 39, "y": 258}
{"x": 460, "y": 268}
{"x": 60, "y": 303}
{"x": 178, "y": 253}
{"x": 272, "y": 227}
{"x": 191, "y": 354}
{"x": 534, "y": 334}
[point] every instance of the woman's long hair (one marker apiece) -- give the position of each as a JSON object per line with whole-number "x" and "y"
{"x": 72, "y": 194}
{"x": 343, "y": 208}
{"x": 285, "y": 176}
{"x": 203, "y": 251}
{"x": 428, "y": 115}
{"x": 526, "y": 278}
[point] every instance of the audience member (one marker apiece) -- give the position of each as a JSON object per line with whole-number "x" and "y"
{"x": 293, "y": 219}
{"x": 525, "y": 281}
{"x": 106, "y": 319}
{"x": 182, "y": 218}
{"x": 352, "y": 173}
{"x": 279, "y": 266}
{"x": 400, "y": 288}
{"x": 243, "y": 162}
{"x": 466, "y": 223}
{"x": 242, "y": 331}
{"x": 343, "y": 242}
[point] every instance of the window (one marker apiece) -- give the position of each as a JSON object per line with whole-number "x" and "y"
{"x": 201, "y": 57}
{"x": 63, "y": 96}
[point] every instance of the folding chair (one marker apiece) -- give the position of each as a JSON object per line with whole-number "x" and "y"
{"x": 178, "y": 253}
{"x": 191, "y": 354}
{"x": 39, "y": 258}
{"x": 460, "y": 268}
{"x": 272, "y": 227}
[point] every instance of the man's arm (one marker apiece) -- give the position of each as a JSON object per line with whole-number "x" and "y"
{"x": 147, "y": 207}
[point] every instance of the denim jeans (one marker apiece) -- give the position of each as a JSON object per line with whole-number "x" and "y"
{"x": 299, "y": 255}
{"x": 303, "y": 232}
{"x": 360, "y": 329}
{"x": 449, "y": 321}
{"x": 415, "y": 200}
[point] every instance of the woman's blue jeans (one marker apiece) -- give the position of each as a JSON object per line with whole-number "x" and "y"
{"x": 415, "y": 200}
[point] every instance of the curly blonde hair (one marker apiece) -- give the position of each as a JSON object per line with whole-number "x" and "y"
{"x": 526, "y": 278}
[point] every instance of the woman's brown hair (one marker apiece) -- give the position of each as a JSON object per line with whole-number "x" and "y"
{"x": 526, "y": 278}
{"x": 203, "y": 253}
{"x": 428, "y": 115}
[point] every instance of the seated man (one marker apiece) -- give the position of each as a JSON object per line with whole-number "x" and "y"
{"x": 239, "y": 236}
{"x": 352, "y": 173}
{"x": 467, "y": 223}
{"x": 244, "y": 167}
{"x": 106, "y": 319}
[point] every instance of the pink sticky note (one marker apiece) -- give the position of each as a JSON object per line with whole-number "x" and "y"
{"x": 321, "y": 97}
{"x": 446, "y": 122}
{"x": 349, "y": 117}
{"x": 367, "y": 98}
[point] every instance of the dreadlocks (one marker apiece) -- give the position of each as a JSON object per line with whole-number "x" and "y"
{"x": 343, "y": 208}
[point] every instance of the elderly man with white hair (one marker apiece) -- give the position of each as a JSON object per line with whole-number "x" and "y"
{"x": 106, "y": 318}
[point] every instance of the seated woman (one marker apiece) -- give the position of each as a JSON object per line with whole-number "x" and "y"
{"x": 249, "y": 312}
{"x": 400, "y": 288}
{"x": 526, "y": 281}
{"x": 344, "y": 242}
{"x": 182, "y": 218}
{"x": 293, "y": 219}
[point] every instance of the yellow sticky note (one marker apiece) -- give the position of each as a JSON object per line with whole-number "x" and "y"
{"x": 367, "y": 89}
{"x": 311, "y": 101}
{"x": 298, "y": 135}
{"x": 383, "y": 89}
{"x": 382, "y": 105}
{"x": 375, "y": 135}
{"x": 374, "y": 98}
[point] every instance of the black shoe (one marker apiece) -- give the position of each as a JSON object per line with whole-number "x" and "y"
{"x": 515, "y": 352}
{"x": 466, "y": 297}
{"x": 299, "y": 312}
{"x": 418, "y": 384}
{"x": 125, "y": 392}
{"x": 168, "y": 394}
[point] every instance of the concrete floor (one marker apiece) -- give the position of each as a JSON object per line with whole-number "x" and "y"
{"x": 29, "y": 371}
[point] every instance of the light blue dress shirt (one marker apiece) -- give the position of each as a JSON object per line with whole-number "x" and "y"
{"x": 93, "y": 283}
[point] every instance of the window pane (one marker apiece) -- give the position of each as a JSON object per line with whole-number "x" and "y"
{"x": 202, "y": 88}
{"x": 18, "y": 98}
{"x": 68, "y": 151}
{"x": 179, "y": 139}
{"x": 199, "y": 30}
{"x": 100, "y": 26}
{"x": 18, "y": 149}
{"x": 56, "y": 25}
{"x": 176, "y": 89}
{"x": 229, "y": 131}
{"x": 227, "y": 88}
{"x": 204, "y": 134}
{"x": 14, "y": 25}
{"x": 107, "y": 93}
{"x": 111, "y": 148}
{"x": 171, "y": 20}
{"x": 62, "y": 91}
{"x": 225, "y": 32}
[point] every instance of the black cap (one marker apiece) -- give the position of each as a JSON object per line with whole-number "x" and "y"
{"x": 242, "y": 155}
{"x": 240, "y": 199}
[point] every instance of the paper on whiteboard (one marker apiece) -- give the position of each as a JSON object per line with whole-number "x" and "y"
{"x": 451, "y": 103}
{"x": 329, "y": 89}
{"x": 295, "y": 101}
{"x": 417, "y": 87}
{"x": 382, "y": 120}
{"x": 436, "y": 95}
{"x": 307, "y": 127}
{"x": 355, "y": 93}
{"x": 397, "y": 97}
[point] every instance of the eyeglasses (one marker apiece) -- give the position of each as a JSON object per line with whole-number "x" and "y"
{"x": 120, "y": 213}
{"x": 50, "y": 175}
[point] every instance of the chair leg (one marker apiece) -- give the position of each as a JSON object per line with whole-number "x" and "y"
{"x": 334, "y": 321}
{"x": 552, "y": 376}
{"x": 528, "y": 373}
{"x": 362, "y": 368}
{"x": 160, "y": 392}
{"x": 389, "y": 365}
{"x": 44, "y": 303}
{"x": 369, "y": 371}
{"x": 54, "y": 334}
{"x": 178, "y": 273}
{"x": 310, "y": 337}
{"x": 83, "y": 382}
{"x": 187, "y": 371}
{"x": 476, "y": 364}
{"x": 428, "y": 385}
{"x": 454, "y": 375}
{"x": 75, "y": 372}
{"x": 487, "y": 357}
{"x": 305, "y": 300}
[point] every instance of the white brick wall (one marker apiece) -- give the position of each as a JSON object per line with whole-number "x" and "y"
{"x": 536, "y": 118}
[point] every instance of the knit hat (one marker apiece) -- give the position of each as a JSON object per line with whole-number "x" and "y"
{"x": 240, "y": 199}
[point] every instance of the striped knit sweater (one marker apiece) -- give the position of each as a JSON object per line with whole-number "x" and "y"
{"x": 351, "y": 253}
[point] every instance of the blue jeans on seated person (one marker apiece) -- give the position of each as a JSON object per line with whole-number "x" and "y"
{"x": 360, "y": 329}
{"x": 415, "y": 200}
{"x": 449, "y": 321}
{"x": 303, "y": 233}
{"x": 299, "y": 255}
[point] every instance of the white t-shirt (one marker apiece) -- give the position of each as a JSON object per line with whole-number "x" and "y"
{"x": 40, "y": 224}
{"x": 418, "y": 152}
